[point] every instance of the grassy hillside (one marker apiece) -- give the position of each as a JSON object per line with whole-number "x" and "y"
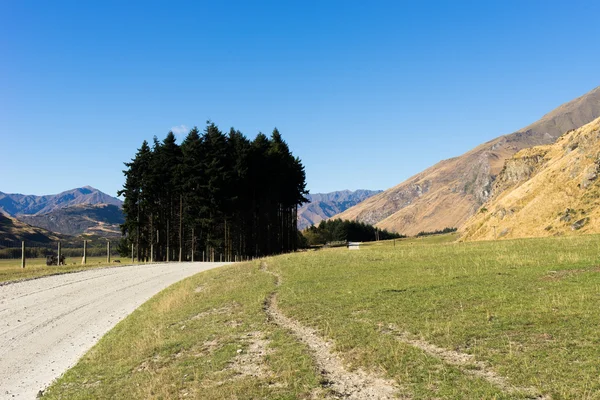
{"x": 479, "y": 320}
{"x": 545, "y": 191}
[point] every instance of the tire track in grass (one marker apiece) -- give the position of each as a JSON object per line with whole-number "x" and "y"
{"x": 465, "y": 363}
{"x": 341, "y": 383}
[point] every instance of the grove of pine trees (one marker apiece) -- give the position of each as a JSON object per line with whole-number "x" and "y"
{"x": 337, "y": 230}
{"x": 214, "y": 196}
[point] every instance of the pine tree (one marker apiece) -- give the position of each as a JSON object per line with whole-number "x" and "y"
{"x": 221, "y": 195}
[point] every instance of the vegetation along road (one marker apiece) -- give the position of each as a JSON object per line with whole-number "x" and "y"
{"x": 48, "y": 323}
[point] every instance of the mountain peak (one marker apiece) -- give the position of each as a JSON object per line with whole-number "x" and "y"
{"x": 86, "y": 190}
{"x": 17, "y": 204}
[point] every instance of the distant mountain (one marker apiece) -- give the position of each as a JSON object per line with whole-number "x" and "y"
{"x": 98, "y": 219}
{"x": 448, "y": 193}
{"x": 545, "y": 191}
{"x": 17, "y": 204}
{"x": 78, "y": 211}
{"x": 326, "y": 205}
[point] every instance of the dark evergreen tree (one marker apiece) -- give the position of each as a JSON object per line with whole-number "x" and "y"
{"x": 338, "y": 230}
{"x": 136, "y": 205}
{"x": 214, "y": 197}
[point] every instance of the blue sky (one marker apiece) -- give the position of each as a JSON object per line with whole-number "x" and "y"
{"x": 365, "y": 93}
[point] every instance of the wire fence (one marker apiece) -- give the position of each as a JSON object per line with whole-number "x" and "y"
{"x": 15, "y": 250}
{"x": 10, "y": 250}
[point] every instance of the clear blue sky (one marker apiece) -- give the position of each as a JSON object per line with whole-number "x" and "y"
{"x": 365, "y": 93}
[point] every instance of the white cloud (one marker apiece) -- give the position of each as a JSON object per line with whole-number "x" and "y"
{"x": 180, "y": 130}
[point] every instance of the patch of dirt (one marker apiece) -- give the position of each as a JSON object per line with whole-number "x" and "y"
{"x": 199, "y": 289}
{"x": 558, "y": 275}
{"x": 205, "y": 349}
{"x": 149, "y": 364}
{"x": 337, "y": 382}
{"x": 465, "y": 362}
{"x": 226, "y": 309}
{"x": 235, "y": 323}
{"x": 250, "y": 361}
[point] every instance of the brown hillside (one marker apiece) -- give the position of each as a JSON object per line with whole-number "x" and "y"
{"x": 12, "y": 232}
{"x": 99, "y": 219}
{"x": 545, "y": 191}
{"x": 448, "y": 193}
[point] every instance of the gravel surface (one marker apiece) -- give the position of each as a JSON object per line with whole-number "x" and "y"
{"x": 47, "y": 324}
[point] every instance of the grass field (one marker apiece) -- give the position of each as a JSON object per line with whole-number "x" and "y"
{"x": 479, "y": 320}
{"x": 10, "y": 270}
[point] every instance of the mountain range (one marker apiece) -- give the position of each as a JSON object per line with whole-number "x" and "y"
{"x": 451, "y": 191}
{"x": 78, "y": 211}
{"x": 325, "y": 205}
{"x": 87, "y": 210}
{"x": 18, "y": 204}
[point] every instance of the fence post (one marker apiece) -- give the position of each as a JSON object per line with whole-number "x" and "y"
{"x": 132, "y": 258}
{"x": 58, "y": 259}
{"x": 84, "y": 258}
{"x": 23, "y": 254}
{"x": 151, "y": 252}
{"x": 108, "y": 251}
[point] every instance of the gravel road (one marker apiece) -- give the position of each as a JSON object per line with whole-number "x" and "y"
{"x": 47, "y": 324}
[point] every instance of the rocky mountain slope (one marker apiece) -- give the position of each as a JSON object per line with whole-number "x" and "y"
{"x": 98, "y": 219}
{"x": 448, "y": 193}
{"x": 545, "y": 190}
{"x": 326, "y": 205}
{"x": 16, "y": 204}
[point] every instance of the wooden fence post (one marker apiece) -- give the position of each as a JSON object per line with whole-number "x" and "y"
{"x": 84, "y": 259}
{"x": 108, "y": 252}
{"x": 132, "y": 256}
{"x": 23, "y": 254}
{"x": 58, "y": 258}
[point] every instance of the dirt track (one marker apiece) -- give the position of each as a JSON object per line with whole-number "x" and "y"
{"x": 47, "y": 324}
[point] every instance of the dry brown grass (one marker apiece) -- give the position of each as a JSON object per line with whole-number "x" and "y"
{"x": 553, "y": 199}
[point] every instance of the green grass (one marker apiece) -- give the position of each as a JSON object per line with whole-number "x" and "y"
{"x": 527, "y": 308}
{"x": 183, "y": 341}
{"x": 10, "y": 270}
